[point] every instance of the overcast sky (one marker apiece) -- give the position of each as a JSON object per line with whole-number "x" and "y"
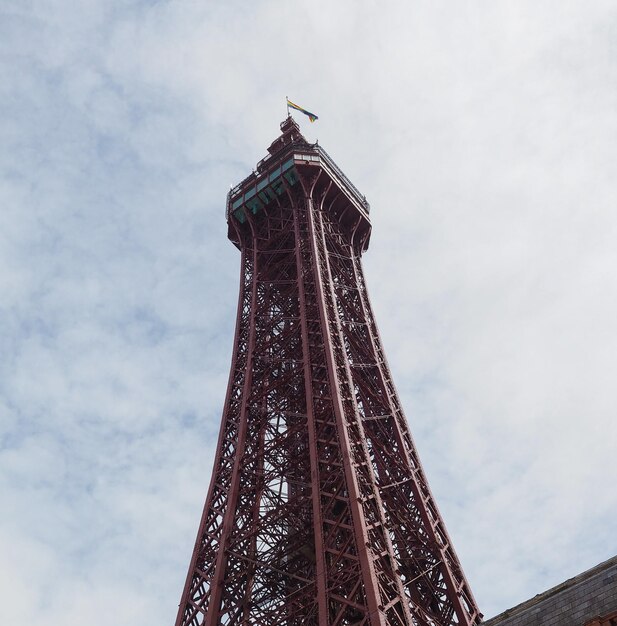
{"x": 483, "y": 135}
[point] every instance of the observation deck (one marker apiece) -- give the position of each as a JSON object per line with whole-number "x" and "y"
{"x": 292, "y": 158}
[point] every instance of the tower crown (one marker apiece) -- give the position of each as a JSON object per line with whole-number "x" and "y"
{"x": 291, "y": 159}
{"x": 290, "y": 134}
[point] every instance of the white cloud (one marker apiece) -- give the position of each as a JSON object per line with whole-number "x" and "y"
{"x": 483, "y": 135}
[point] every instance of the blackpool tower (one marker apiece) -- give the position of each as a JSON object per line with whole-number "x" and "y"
{"x": 318, "y": 511}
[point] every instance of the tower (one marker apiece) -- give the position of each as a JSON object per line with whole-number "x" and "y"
{"x": 318, "y": 511}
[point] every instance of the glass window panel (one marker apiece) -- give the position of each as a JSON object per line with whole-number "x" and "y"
{"x": 291, "y": 177}
{"x": 254, "y": 205}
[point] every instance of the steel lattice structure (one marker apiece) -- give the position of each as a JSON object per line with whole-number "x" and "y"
{"x": 318, "y": 510}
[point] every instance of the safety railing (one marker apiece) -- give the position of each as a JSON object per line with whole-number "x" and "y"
{"x": 326, "y": 159}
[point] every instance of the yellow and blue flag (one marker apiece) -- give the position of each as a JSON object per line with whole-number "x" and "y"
{"x": 310, "y": 115}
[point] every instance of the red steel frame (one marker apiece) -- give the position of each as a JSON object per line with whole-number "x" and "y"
{"x": 318, "y": 510}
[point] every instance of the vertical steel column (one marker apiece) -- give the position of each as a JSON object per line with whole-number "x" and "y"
{"x": 458, "y": 590}
{"x": 368, "y": 569}
{"x": 219, "y": 568}
{"x": 387, "y": 558}
{"x": 311, "y": 425}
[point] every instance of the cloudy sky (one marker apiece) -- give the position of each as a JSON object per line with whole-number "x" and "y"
{"x": 483, "y": 134}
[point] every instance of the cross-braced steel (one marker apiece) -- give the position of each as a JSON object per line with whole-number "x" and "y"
{"x": 318, "y": 512}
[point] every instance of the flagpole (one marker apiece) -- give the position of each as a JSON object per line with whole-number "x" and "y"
{"x": 287, "y": 101}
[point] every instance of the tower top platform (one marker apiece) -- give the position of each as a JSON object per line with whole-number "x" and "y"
{"x": 292, "y": 159}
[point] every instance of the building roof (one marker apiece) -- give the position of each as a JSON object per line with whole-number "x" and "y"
{"x": 583, "y": 596}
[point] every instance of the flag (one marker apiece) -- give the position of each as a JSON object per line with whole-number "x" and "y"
{"x": 311, "y": 116}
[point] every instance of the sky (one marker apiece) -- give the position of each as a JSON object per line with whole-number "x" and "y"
{"x": 483, "y": 134}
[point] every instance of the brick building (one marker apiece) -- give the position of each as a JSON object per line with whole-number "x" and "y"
{"x": 589, "y": 599}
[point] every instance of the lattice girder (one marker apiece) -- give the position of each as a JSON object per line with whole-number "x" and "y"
{"x": 318, "y": 510}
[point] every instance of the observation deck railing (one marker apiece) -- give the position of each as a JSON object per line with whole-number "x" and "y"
{"x": 295, "y": 148}
{"x": 337, "y": 170}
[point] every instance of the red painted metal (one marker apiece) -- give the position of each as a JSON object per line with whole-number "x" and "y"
{"x": 318, "y": 512}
